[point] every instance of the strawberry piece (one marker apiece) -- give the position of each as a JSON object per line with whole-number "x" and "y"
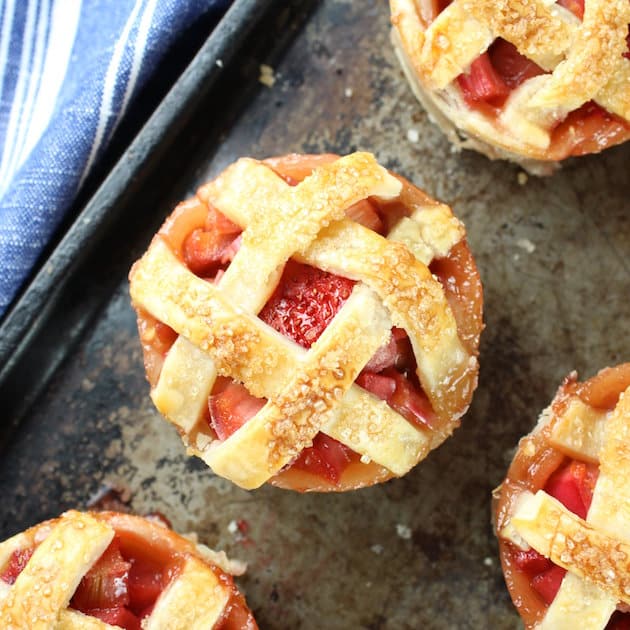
{"x": 400, "y": 394}
{"x": 585, "y": 476}
{"x": 205, "y": 252}
{"x": 305, "y": 302}
{"x": 482, "y": 83}
{"x": 563, "y": 486}
{"x": 531, "y": 562}
{"x": 619, "y": 621}
{"x": 105, "y": 585}
{"x": 116, "y": 616}
{"x": 217, "y": 222}
{"x": 510, "y": 65}
{"x": 548, "y": 583}
{"x": 231, "y": 406}
{"x": 381, "y": 386}
{"x": 327, "y": 458}
{"x": 589, "y": 129}
{"x": 146, "y": 582}
{"x": 365, "y": 213}
{"x": 573, "y": 486}
{"x": 396, "y": 352}
{"x": 575, "y": 6}
{"x": 18, "y": 560}
{"x": 410, "y": 401}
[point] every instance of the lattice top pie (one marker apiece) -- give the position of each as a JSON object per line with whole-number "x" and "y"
{"x": 99, "y": 570}
{"x": 310, "y": 320}
{"x": 531, "y": 80}
{"x": 563, "y": 513}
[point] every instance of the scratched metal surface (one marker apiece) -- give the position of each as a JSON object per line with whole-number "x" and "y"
{"x": 416, "y": 552}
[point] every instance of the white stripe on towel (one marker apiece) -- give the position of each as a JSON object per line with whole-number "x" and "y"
{"x": 64, "y": 23}
{"x": 109, "y": 88}
{"x": 18, "y": 98}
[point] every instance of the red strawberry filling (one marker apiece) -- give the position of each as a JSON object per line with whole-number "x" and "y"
{"x": 19, "y": 559}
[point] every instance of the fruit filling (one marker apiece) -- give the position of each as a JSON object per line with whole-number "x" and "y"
{"x": 495, "y": 73}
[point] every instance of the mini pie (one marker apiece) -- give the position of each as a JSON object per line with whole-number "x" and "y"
{"x": 528, "y": 80}
{"x": 312, "y": 321}
{"x": 99, "y": 570}
{"x": 563, "y": 512}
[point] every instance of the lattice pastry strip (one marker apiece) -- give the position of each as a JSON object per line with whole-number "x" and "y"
{"x": 194, "y": 584}
{"x": 596, "y": 551}
{"x": 65, "y": 549}
{"x": 49, "y": 580}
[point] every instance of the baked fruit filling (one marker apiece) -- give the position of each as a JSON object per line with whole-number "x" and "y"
{"x": 562, "y": 459}
{"x": 305, "y": 305}
{"x": 132, "y": 585}
{"x": 496, "y": 73}
{"x": 301, "y": 307}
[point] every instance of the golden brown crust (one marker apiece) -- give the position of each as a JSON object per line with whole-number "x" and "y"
{"x": 309, "y": 391}
{"x": 67, "y": 547}
{"x": 585, "y": 62}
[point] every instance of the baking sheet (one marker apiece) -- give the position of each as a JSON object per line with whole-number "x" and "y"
{"x": 417, "y": 552}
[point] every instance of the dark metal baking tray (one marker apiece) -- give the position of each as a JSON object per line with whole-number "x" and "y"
{"x": 413, "y": 553}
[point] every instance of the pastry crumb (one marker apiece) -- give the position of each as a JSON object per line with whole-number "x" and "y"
{"x": 526, "y": 244}
{"x": 219, "y": 63}
{"x": 377, "y": 549}
{"x": 403, "y": 531}
{"x": 488, "y": 561}
{"x": 522, "y": 178}
{"x": 232, "y": 527}
{"x": 413, "y": 135}
{"x": 348, "y": 92}
{"x": 267, "y": 76}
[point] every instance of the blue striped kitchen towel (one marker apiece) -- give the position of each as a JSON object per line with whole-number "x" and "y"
{"x": 69, "y": 72}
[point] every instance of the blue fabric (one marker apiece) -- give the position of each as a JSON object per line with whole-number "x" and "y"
{"x": 70, "y": 70}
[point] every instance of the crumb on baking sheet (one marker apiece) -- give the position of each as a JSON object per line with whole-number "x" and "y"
{"x": 267, "y": 76}
{"x": 522, "y": 178}
{"x": 403, "y": 531}
{"x": 348, "y": 92}
{"x": 526, "y": 244}
{"x": 219, "y": 63}
{"x": 488, "y": 561}
{"x": 413, "y": 135}
{"x": 377, "y": 549}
